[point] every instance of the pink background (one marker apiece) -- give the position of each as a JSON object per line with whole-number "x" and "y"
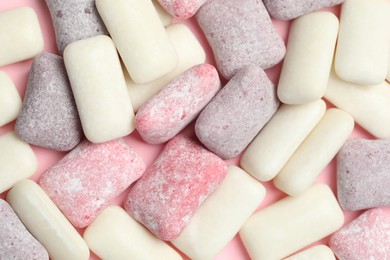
{"x": 19, "y": 74}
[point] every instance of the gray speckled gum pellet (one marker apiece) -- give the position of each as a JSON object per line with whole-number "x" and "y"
{"x": 75, "y": 20}
{"x": 363, "y": 179}
{"x": 49, "y": 116}
{"x": 240, "y": 33}
{"x": 15, "y": 241}
{"x": 238, "y": 112}
{"x": 290, "y": 9}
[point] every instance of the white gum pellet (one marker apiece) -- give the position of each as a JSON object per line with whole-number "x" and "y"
{"x": 368, "y": 105}
{"x": 115, "y": 235}
{"x": 140, "y": 38}
{"x": 363, "y": 45}
{"x": 20, "y": 35}
{"x": 292, "y": 223}
{"x": 17, "y": 161}
{"x": 235, "y": 199}
{"x": 165, "y": 17}
{"x": 279, "y": 139}
{"x": 99, "y": 88}
{"x": 315, "y": 153}
{"x": 309, "y": 56}
{"x": 190, "y": 53}
{"x": 46, "y": 222}
{"x": 320, "y": 252}
{"x": 10, "y": 101}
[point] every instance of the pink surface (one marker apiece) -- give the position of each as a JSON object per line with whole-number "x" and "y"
{"x": 19, "y": 74}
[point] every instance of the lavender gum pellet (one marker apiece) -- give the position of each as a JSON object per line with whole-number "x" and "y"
{"x": 308, "y": 60}
{"x": 363, "y": 44}
{"x": 236, "y": 198}
{"x": 15, "y": 241}
{"x": 10, "y": 101}
{"x": 320, "y": 252}
{"x": 49, "y": 116}
{"x": 115, "y": 235}
{"x": 46, "y": 222}
{"x": 20, "y": 35}
{"x": 240, "y": 35}
{"x": 99, "y": 89}
{"x": 315, "y": 153}
{"x": 287, "y": 10}
{"x": 280, "y": 138}
{"x": 190, "y": 53}
{"x": 368, "y": 105}
{"x": 363, "y": 179}
{"x": 237, "y": 113}
{"x": 139, "y": 37}
{"x": 17, "y": 161}
{"x": 292, "y": 223}
{"x": 183, "y": 9}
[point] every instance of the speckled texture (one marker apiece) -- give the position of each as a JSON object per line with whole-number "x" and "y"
{"x": 367, "y": 237}
{"x": 15, "y": 241}
{"x": 240, "y": 34}
{"x": 177, "y": 104}
{"x": 182, "y": 8}
{"x": 290, "y": 9}
{"x": 49, "y": 116}
{"x": 174, "y": 186}
{"x": 363, "y": 179}
{"x": 237, "y": 113}
{"x": 87, "y": 178}
{"x": 75, "y": 20}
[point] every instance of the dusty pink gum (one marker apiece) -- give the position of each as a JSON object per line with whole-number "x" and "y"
{"x": 89, "y": 177}
{"x": 174, "y": 107}
{"x": 182, "y": 8}
{"x": 174, "y": 186}
{"x": 237, "y": 113}
{"x": 367, "y": 237}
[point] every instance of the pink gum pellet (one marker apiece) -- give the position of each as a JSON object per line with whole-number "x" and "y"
{"x": 367, "y": 237}
{"x": 88, "y": 177}
{"x": 165, "y": 115}
{"x": 174, "y": 186}
{"x": 182, "y": 8}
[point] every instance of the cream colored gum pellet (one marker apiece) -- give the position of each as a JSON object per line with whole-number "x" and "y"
{"x": 363, "y": 45}
{"x": 190, "y": 53}
{"x": 388, "y": 70}
{"x": 309, "y": 56}
{"x": 320, "y": 252}
{"x": 46, "y": 222}
{"x": 368, "y": 105}
{"x": 221, "y": 216}
{"x": 278, "y": 140}
{"x": 315, "y": 153}
{"x": 165, "y": 17}
{"x": 17, "y": 161}
{"x": 140, "y": 38}
{"x": 20, "y": 35}
{"x": 99, "y": 88}
{"x": 115, "y": 235}
{"x": 292, "y": 223}
{"x": 10, "y": 102}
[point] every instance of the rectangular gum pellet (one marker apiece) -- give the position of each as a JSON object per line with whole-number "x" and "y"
{"x": 363, "y": 44}
{"x": 190, "y": 53}
{"x": 309, "y": 56}
{"x": 139, "y": 37}
{"x": 279, "y": 139}
{"x": 17, "y": 161}
{"x": 182, "y": 9}
{"x": 165, "y": 17}
{"x": 292, "y": 223}
{"x": 20, "y": 35}
{"x": 46, "y": 222}
{"x": 315, "y": 153}
{"x": 10, "y": 101}
{"x": 320, "y": 252}
{"x": 115, "y": 235}
{"x": 368, "y": 105}
{"x": 99, "y": 88}
{"x": 221, "y": 216}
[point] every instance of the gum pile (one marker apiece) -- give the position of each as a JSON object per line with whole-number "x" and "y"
{"x": 226, "y": 133}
